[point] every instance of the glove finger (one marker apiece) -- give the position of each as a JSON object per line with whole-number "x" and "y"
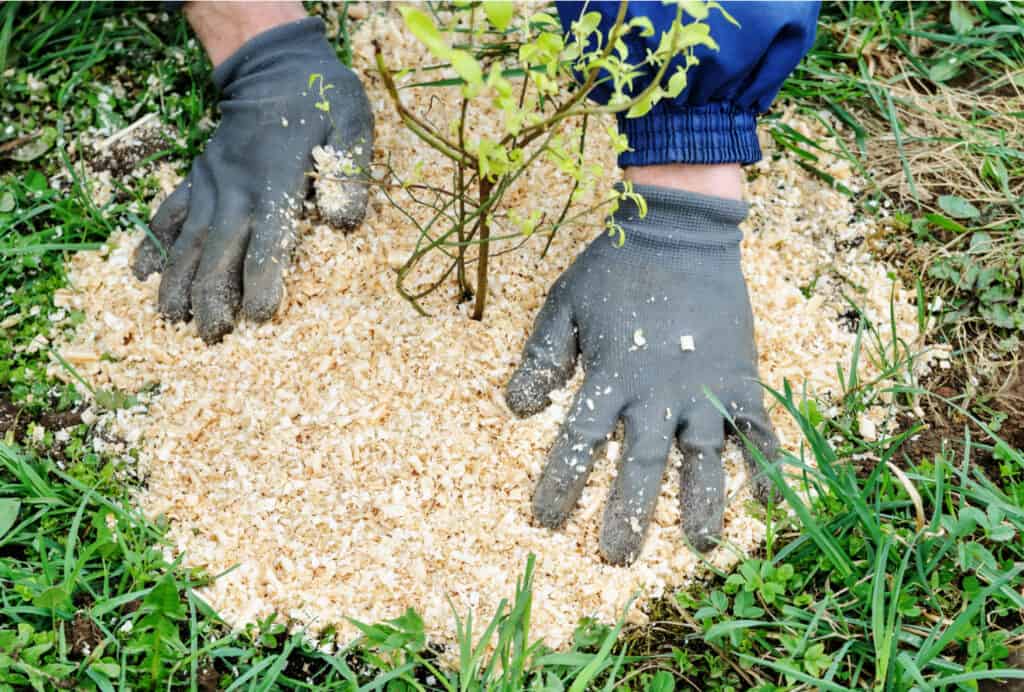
{"x": 217, "y": 288}
{"x": 342, "y": 199}
{"x": 702, "y": 477}
{"x": 270, "y": 246}
{"x": 549, "y": 355}
{"x": 175, "y": 297}
{"x": 590, "y": 420}
{"x": 635, "y": 490}
{"x": 753, "y": 423}
{"x": 152, "y": 252}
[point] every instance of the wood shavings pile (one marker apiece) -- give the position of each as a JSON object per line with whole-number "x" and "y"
{"x": 354, "y": 459}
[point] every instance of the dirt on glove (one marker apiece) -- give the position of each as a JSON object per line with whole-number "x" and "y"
{"x": 351, "y": 458}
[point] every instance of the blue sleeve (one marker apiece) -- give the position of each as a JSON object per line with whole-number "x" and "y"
{"x": 714, "y": 120}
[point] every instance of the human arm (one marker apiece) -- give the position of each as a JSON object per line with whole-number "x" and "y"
{"x": 223, "y": 238}
{"x": 666, "y": 319}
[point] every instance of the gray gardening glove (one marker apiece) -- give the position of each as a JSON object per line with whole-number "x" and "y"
{"x": 656, "y": 321}
{"x": 229, "y": 227}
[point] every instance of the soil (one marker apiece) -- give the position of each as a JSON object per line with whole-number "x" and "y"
{"x": 11, "y": 419}
{"x": 84, "y": 636}
{"x": 208, "y": 679}
{"x": 1015, "y": 660}
{"x": 15, "y": 419}
{"x": 945, "y": 426}
{"x": 122, "y": 157}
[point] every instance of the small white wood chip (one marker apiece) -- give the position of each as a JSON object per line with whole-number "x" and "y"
{"x": 686, "y": 342}
{"x": 639, "y": 339}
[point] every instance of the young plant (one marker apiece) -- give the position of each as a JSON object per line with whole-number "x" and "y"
{"x": 547, "y": 83}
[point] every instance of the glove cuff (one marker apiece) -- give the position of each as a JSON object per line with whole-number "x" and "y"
{"x": 681, "y": 229}
{"x": 304, "y": 39}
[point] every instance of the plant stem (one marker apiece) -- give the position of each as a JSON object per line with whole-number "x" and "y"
{"x": 465, "y": 292}
{"x": 575, "y": 186}
{"x": 418, "y": 127}
{"x": 485, "y": 247}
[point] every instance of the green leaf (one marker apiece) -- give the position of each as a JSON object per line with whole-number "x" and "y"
{"x": 961, "y": 17}
{"x": 643, "y": 106}
{"x": 945, "y": 223}
{"x": 53, "y": 597}
{"x": 545, "y": 19}
{"x": 712, "y": 5}
{"x": 467, "y": 67}
{"x": 164, "y": 598}
{"x": 995, "y": 170}
{"x": 809, "y": 409}
{"x": 35, "y": 181}
{"x": 105, "y": 668}
{"x": 32, "y": 654}
{"x": 312, "y": 79}
{"x": 696, "y": 35}
{"x": 676, "y": 83}
{"x": 695, "y": 8}
{"x": 114, "y": 399}
{"x": 7, "y": 202}
{"x": 722, "y": 629}
{"x": 981, "y": 242}
{"x": 661, "y": 682}
{"x": 9, "y": 507}
{"x": 422, "y": 27}
{"x": 586, "y": 25}
{"x": 998, "y": 315}
{"x": 744, "y": 606}
{"x": 499, "y": 13}
{"x": 958, "y": 207}
{"x": 643, "y": 24}
{"x": 1001, "y": 533}
{"x": 945, "y": 69}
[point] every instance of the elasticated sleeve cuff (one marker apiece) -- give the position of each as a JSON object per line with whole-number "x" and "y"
{"x": 672, "y": 133}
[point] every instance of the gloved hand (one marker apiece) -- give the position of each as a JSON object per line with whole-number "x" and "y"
{"x": 229, "y": 227}
{"x": 655, "y": 321}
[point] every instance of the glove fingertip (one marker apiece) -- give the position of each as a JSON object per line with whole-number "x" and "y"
{"x": 704, "y": 542}
{"x": 148, "y": 260}
{"x": 701, "y": 529}
{"x": 527, "y": 390}
{"x": 215, "y": 306}
{"x": 549, "y": 514}
{"x": 342, "y": 204}
{"x": 173, "y": 301}
{"x": 619, "y": 544}
{"x": 151, "y": 253}
{"x": 213, "y": 332}
{"x": 260, "y": 307}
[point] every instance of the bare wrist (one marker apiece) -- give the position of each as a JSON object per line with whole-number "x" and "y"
{"x": 719, "y": 180}
{"x": 223, "y": 27}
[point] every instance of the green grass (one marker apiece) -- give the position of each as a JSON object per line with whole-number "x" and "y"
{"x": 930, "y": 107}
{"x": 63, "y": 58}
{"x": 881, "y": 570}
{"x": 89, "y": 599}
